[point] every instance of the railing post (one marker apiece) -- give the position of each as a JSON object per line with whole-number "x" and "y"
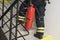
{"x": 10, "y": 32}
{"x": 16, "y": 19}
{"x": 2, "y": 12}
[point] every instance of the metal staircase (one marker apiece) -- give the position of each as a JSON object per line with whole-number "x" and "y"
{"x": 8, "y": 20}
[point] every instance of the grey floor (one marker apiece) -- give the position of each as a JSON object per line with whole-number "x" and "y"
{"x": 52, "y": 23}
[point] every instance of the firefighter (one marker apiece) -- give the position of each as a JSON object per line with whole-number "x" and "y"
{"x": 39, "y": 15}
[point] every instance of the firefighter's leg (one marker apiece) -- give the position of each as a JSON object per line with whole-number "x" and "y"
{"x": 22, "y": 11}
{"x": 40, "y": 12}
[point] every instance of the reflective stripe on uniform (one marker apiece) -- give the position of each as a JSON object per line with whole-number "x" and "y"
{"x": 40, "y": 28}
{"x": 40, "y": 31}
{"x": 21, "y": 17}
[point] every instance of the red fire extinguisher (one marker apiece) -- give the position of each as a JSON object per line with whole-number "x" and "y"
{"x": 29, "y": 17}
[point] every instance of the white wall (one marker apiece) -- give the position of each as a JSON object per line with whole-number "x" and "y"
{"x": 52, "y": 19}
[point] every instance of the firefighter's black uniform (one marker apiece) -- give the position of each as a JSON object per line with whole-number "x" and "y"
{"x": 39, "y": 15}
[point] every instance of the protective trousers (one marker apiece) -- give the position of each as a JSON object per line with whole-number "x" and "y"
{"x": 39, "y": 15}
